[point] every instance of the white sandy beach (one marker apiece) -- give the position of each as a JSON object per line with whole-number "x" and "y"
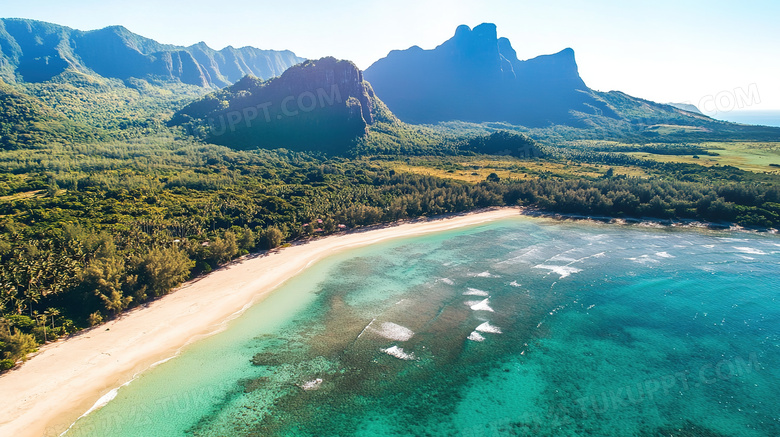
{"x": 49, "y": 392}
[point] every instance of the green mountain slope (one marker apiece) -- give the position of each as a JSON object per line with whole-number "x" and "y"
{"x": 641, "y": 120}
{"x": 321, "y": 105}
{"x": 26, "y": 122}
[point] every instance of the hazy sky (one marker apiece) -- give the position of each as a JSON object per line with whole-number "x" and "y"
{"x": 719, "y": 54}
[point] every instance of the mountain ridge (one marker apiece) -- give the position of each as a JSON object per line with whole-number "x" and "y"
{"x": 488, "y": 80}
{"x": 37, "y": 51}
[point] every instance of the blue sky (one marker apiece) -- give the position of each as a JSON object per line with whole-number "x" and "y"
{"x": 723, "y": 55}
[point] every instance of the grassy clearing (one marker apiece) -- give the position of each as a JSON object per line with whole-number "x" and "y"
{"x": 749, "y": 156}
{"x": 23, "y": 195}
{"x": 477, "y": 169}
{"x": 670, "y": 129}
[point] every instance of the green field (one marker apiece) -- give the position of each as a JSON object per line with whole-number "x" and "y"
{"x": 475, "y": 169}
{"x": 750, "y": 156}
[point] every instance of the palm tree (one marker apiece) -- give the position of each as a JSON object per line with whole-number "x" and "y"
{"x": 53, "y": 312}
{"x": 36, "y": 272}
{"x": 41, "y": 317}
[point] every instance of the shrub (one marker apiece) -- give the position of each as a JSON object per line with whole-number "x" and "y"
{"x": 95, "y": 318}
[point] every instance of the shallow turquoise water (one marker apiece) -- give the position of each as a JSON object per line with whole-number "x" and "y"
{"x": 519, "y": 327}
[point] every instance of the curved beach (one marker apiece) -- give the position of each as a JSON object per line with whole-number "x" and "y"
{"x": 49, "y": 392}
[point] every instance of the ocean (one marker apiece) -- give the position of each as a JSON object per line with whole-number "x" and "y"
{"x": 754, "y": 117}
{"x": 520, "y": 327}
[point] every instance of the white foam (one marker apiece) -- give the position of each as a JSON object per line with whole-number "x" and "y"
{"x": 664, "y": 255}
{"x": 486, "y": 275}
{"x": 487, "y": 327}
{"x": 395, "y": 351}
{"x": 475, "y": 292}
{"x": 531, "y": 252}
{"x": 750, "y": 250}
{"x": 111, "y": 395}
{"x": 709, "y": 246}
{"x": 644, "y": 259}
{"x": 481, "y": 305}
{"x": 314, "y": 384}
{"x": 598, "y": 237}
{"x": 563, "y": 271}
{"x": 561, "y": 257}
{"x": 515, "y": 284}
{"x": 476, "y": 336}
{"x": 103, "y": 401}
{"x": 392, "y": 331}
{"x": 447, "y": 281}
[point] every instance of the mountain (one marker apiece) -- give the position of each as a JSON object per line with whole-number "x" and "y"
{"x": 686, "y": 107}
{"x": 321, "y": 105}
{"x": 476, "y": 77}
{"x": 643, "y": 120}
{"x": 26, "y": 122}
{"x": 35, "y": 51}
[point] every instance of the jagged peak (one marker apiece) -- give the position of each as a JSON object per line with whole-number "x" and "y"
{"x": 247, "y": 82}
{"x": 296, "y": 102}
{"x": 118, "y": 28}
{"x": 568, "y": 51}
{"x": 477, "y": 66}
{"x": 506, "y": 50}
{"x": 463, "y": 29}
{"x": 325, "y": 61}
{"x": 565, "y": 56}
{"x": 485, "y": 31}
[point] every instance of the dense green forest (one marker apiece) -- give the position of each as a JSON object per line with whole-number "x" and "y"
{"x": 103, "y": 207}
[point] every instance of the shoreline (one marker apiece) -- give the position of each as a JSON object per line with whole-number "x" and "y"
{"x": 67, "y": 378}
{"x": 647, "y": 221}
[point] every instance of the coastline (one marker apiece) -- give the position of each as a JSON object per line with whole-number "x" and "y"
{"x": 645, "y": 221}
{"x": 49, "y": 392}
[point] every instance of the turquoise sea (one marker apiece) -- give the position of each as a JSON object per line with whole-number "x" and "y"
{"x": 522, "y": 327}
{"x": 754, "y": 117}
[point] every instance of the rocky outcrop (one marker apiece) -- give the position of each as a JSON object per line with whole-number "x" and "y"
{"x": 476, "y": 76}
{"x": 321, "y": 105}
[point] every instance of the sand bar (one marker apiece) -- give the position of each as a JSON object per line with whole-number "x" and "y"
{"x": 55, "y": 387}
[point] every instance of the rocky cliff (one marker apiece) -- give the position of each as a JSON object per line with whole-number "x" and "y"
{"x": 320, "y": 105}
{"x": 476, "y": 76}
